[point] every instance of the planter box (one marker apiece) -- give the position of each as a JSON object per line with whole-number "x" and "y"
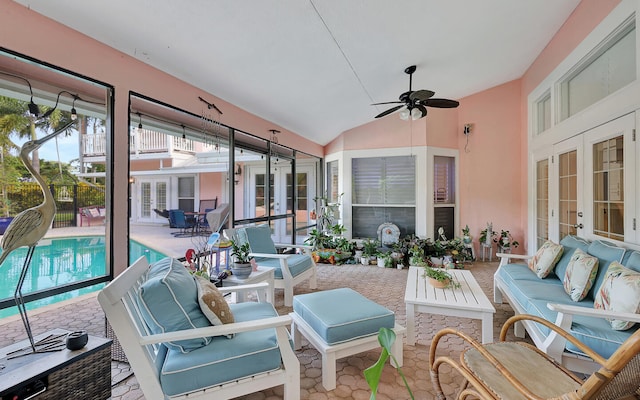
{"x": 4, "y": 223}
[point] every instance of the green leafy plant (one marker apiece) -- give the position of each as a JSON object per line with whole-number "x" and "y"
{"x": 440, "y": 275}
{"x": 466, "y": 231}
{"x": 240, "y": 253}
{"x": 370, "y": 247}
{"x": 386, "y": 338}
{"x": 505, "y": 240}
{"x": 319, "y": 240}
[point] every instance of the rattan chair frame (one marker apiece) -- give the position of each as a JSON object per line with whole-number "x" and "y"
{"x": 619, "y": 374}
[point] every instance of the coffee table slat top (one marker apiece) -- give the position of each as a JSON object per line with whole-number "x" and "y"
{"x": 468, "y": 296}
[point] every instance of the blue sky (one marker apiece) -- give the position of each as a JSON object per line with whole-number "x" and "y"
{"x": 67, "y": 145}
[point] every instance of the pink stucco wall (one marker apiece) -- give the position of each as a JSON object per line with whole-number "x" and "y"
{"x": 490, "y": 167}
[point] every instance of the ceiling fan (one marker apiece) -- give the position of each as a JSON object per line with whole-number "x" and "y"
{"x": 414, "y": 104}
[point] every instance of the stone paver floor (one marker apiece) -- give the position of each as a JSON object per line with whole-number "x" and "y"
{"x": 384, "y": 286}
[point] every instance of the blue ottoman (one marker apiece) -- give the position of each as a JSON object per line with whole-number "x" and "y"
{"x": 340, "y": 323}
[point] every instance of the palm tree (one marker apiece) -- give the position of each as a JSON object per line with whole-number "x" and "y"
{"x": 15, "y": 118}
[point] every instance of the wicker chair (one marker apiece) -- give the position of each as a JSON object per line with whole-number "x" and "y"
{"x": 516, "y": 370}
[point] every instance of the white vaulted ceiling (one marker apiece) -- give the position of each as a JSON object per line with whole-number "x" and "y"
{"x": 315, "y": 66}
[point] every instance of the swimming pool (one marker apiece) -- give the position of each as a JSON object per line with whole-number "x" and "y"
{"x": 61, "y": 261}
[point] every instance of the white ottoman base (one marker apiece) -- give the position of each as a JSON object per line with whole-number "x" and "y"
{"x": 330, "y": 353}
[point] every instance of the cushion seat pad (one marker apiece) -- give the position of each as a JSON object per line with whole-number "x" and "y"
{"x": 224, "y": 359}
{"x": 341, "y": 315}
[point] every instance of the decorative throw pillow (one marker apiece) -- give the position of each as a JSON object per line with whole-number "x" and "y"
{"x": 212, "y": 303}
{"x": 545, "y": 259}
{"x": 619, "y": 292}
{"x": 580, "y": 274}
{"x": 168, "y": 301}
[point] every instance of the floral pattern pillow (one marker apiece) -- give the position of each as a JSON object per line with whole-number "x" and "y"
{"x": 545, "y": 259}
{"x": 580, "y": 275}
{"x": 620, "y": 292}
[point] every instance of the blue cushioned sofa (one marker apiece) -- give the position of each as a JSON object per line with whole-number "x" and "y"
{"x": 546, "y": 298}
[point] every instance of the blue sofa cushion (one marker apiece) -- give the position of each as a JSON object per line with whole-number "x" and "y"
{"x": 606, "y": 253}
{"x": 297, "y": 263}
{"x": 223, "y": 359}
{"x": 341, "y": 315}
{"x": 570, "y": 243}
{"x": 168, "y": 301}
{"x": 631, "y": 260}
{"x": 594, "y": 332}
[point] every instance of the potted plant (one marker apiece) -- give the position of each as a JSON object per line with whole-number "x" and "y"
{"x": 385, "y": 260}
{"x": 505, "y": 241}
{"x": 370, "y": 249}
{"x": 439, "y": 278}
{"x": 466, "y": 236}
{"x": 241, "y": 260}
{"x": 416, "y": 255}
{"x": 487, "y": 235}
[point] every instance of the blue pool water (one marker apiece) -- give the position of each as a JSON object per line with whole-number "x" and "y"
{"x": 60, "y": 261}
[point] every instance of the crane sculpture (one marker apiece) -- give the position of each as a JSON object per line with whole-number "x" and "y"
{"x": 28, "y": 227}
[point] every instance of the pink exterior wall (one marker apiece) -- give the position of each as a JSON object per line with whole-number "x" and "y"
{"x": 211, "y": 186}
{"x": 438, "y": 129}
{"x": 491, "y": 168}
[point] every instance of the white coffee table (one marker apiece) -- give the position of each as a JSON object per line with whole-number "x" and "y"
{"x": 466, "y": 301}
{"x": 263, "y": 274}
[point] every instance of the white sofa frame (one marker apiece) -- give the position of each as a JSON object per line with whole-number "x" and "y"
{"x": 552, "y": 344}
{"x": 140, "y": 346}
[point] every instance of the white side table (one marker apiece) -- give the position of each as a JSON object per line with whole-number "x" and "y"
{"x": 263, "y": 274}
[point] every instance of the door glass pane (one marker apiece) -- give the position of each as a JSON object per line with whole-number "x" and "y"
{"x": 332, "y": 181}
{"x": 568, "y": 194}
{"x": 145, "y": 198}
{"x": 161, "y": 195}
{"x": 608, "y": 188}
{"x": 542, "y": 208}
{"x": 302, "y": 190}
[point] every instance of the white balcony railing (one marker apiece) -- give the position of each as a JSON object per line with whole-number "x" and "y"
{"x": 145, "y": 141}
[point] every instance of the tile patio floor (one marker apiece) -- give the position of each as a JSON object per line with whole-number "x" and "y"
{"x": 384, "y": 286}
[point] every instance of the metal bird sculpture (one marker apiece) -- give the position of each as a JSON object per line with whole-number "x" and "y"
{"x": 28, "y": 227}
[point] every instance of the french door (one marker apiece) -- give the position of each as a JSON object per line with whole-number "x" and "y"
{"x": 152, "y": 193}
{"x": 281, "y": 189}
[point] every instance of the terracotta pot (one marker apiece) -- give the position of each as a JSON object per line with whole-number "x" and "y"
{"x": 438, "y": 284}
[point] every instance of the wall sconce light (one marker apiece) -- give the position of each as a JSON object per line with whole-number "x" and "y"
{"x": 239, "y": 170}
{"x": 132, "y": 180}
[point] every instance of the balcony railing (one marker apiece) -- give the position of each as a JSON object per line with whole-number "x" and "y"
{"x": 144, "y": 142}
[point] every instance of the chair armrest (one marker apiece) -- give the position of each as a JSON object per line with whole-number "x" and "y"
{"x": 219, "y": 330}
{"x": 294, "y": 246}
{"x": 505, "y": 258}
{"x": 254, "y": 287}
{"x": 271, "y": 255}
{"x": 592, "y": 312}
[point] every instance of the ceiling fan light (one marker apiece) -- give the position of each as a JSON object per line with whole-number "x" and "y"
{"x": 416, "y": 114}
{"x": 404, "y": 113}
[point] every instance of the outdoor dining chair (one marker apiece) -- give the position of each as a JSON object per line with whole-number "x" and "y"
{"x": 177, "y": 219}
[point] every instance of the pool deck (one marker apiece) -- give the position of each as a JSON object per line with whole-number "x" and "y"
{"x": 157, "y": 237}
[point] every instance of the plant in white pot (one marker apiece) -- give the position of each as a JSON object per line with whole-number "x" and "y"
{"x": 241, "y": 268}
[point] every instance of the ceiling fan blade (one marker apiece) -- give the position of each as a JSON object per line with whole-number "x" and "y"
{"x": 421, "y": 95}
{"x": 389, "y": 111}
{"x": 441, "y": 103}
{"x": 388, "y": 102}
